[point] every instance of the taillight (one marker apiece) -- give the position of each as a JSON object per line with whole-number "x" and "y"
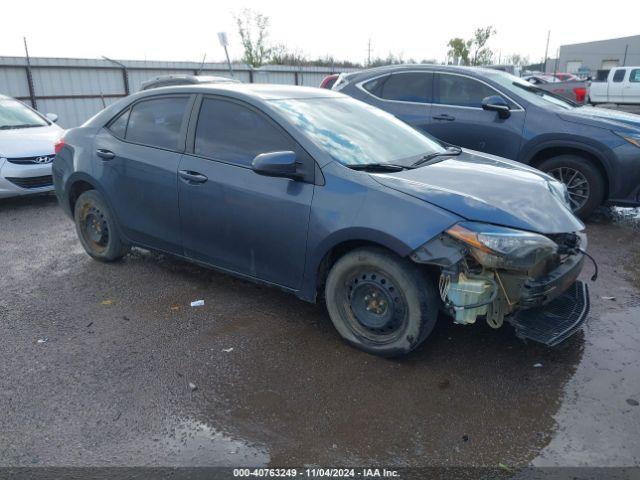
{"x": 581, "y": 93}
{"x": 58, "y": 145}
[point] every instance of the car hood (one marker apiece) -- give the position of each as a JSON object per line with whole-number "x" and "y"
{"x": 489, "y": 189}
{"x": 29, "y": 142}
{"x": 602, "y": 117}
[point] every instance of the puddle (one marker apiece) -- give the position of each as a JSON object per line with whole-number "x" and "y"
{"x": 596, "y": 425}
{"x": 196, "y": 444}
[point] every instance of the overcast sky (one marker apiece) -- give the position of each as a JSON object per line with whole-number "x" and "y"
{"x": 186, "y": 29}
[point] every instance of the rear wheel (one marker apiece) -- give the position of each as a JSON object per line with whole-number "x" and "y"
{"x": 584, "y": 182}
{"x": 380, "y": 303}
{"x": 96, "y": 228}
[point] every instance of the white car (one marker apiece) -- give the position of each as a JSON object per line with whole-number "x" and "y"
{"x": 27, "y": 141}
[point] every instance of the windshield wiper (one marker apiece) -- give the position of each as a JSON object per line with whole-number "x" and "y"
{"x": 377, "y": 167}
{"x": 435, "y": 157}
{"x": 11, "y": 127}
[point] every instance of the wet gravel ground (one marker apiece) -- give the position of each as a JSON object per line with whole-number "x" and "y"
{"x": 97, "y": 361}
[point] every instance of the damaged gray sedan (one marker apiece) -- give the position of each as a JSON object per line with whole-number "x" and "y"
{"x": 330, "y": 199}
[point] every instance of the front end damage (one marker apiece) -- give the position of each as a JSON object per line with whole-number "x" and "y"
{"x": 496, "y": 274}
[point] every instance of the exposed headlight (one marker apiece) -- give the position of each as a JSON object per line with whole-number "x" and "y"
{"x": 500, "y": 247}
{"x": 633, "y": 138}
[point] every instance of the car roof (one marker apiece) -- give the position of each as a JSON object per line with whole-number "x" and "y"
{"x": 372, "y": 72}
{"x": 247, "y": 90}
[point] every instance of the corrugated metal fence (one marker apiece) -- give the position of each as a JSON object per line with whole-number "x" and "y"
{"x": 76, "y": 89}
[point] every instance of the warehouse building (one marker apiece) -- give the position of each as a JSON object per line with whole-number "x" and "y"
{"x": 590, "y": 57}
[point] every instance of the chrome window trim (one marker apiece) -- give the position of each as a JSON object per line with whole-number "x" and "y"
{"x": 362, "y": 82}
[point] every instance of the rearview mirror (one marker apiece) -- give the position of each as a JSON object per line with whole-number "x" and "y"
{"x": 52, "y": 117}
{"x": 495, "y": 103}
{"x": 276, "y": 164}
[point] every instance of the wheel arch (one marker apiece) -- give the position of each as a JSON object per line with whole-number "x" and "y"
{"x": 336, "y": 246}
{"x": 592, "y": 155}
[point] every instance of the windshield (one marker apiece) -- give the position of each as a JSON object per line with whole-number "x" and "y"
{"x": 529, "y": 92}
{"x": 356, "y": 133}
{"x": 14, "y": 114}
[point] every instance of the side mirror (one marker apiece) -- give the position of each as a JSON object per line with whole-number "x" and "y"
{"x": 276, "y": 164}
{"x": 52, "y": 117}
{"x": 495, "y": 103}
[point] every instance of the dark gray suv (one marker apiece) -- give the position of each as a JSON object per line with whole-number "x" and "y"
{"x": 595, "y": 152}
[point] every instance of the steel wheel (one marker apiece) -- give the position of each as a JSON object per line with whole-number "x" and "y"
{"x": 94, "y": 227}
{"x": 377, "y": 308}
{"x": 576, "y": 183}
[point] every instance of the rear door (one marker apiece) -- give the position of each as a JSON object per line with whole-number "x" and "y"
{"x": 631, "y": 92}
{"x": 407, "y": 95}
{"x": 457, "y": 116}
{"x": 232, "y": 217}
{"x": 137, "y": 158}
{"x": 616, "y": 85}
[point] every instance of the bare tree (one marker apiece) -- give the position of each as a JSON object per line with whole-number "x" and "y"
{"x": 482, "y": 55}
{"x": 253, "y": 28}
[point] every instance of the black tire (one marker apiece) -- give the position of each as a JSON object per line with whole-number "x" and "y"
{"x": 96, "y": 228}
{"x": 592, "y": 193}
{"x": 350, "y": 289}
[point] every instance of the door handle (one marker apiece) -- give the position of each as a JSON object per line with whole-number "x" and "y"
{"x": 105, "y": 154}
{"x": 192, "y": 177}
{"x": 445, "y": 117}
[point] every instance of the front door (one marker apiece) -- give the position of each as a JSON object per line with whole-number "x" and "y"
{"x": 457, "y": 117}
{"x": 137, "y": 158}
{"x": 232, "y": 217}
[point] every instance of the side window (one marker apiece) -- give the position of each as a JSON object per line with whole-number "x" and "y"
{"x": 375, "y": 86}
{"x": 404, "y": 87}
{"x": 157, "y": 122}
{"x": 119, "y": 126}
{"x": 634, "y": 76}
{"x": 462, "y": 91}
{"x": 233, "y": 133}
{"x": 619, "y": 75}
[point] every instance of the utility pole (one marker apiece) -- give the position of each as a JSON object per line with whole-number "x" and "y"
{"x": 369, "y": 53}
{"x": 546, "y": 52}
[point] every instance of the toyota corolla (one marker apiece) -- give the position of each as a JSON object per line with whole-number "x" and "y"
{"x": 332, "y": 200}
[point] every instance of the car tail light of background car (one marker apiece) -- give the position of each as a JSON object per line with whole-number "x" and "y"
{"x": 58, "y": 145}
{"x": 581, "y": 93}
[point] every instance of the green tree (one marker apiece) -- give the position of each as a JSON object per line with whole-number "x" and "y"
{"x": 253, "y": 29}
{"x": 459, "y": 50}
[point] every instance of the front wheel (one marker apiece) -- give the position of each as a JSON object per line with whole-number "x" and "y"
{"x": 584, "y": 182}
{"x": 380, "y": 303}
{"x": 96, "y": 228}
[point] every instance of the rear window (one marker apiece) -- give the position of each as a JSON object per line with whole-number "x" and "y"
{"x": 157, "y": 122}
{"x": 403, "y": 87}
{"x": 619, "y": 75}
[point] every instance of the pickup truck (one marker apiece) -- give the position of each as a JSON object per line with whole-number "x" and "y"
{"x": 621, "y": 86}
{"x": 572, "y": 88}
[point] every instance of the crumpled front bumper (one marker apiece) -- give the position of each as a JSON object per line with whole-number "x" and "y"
{"x": 556, "y": 321}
